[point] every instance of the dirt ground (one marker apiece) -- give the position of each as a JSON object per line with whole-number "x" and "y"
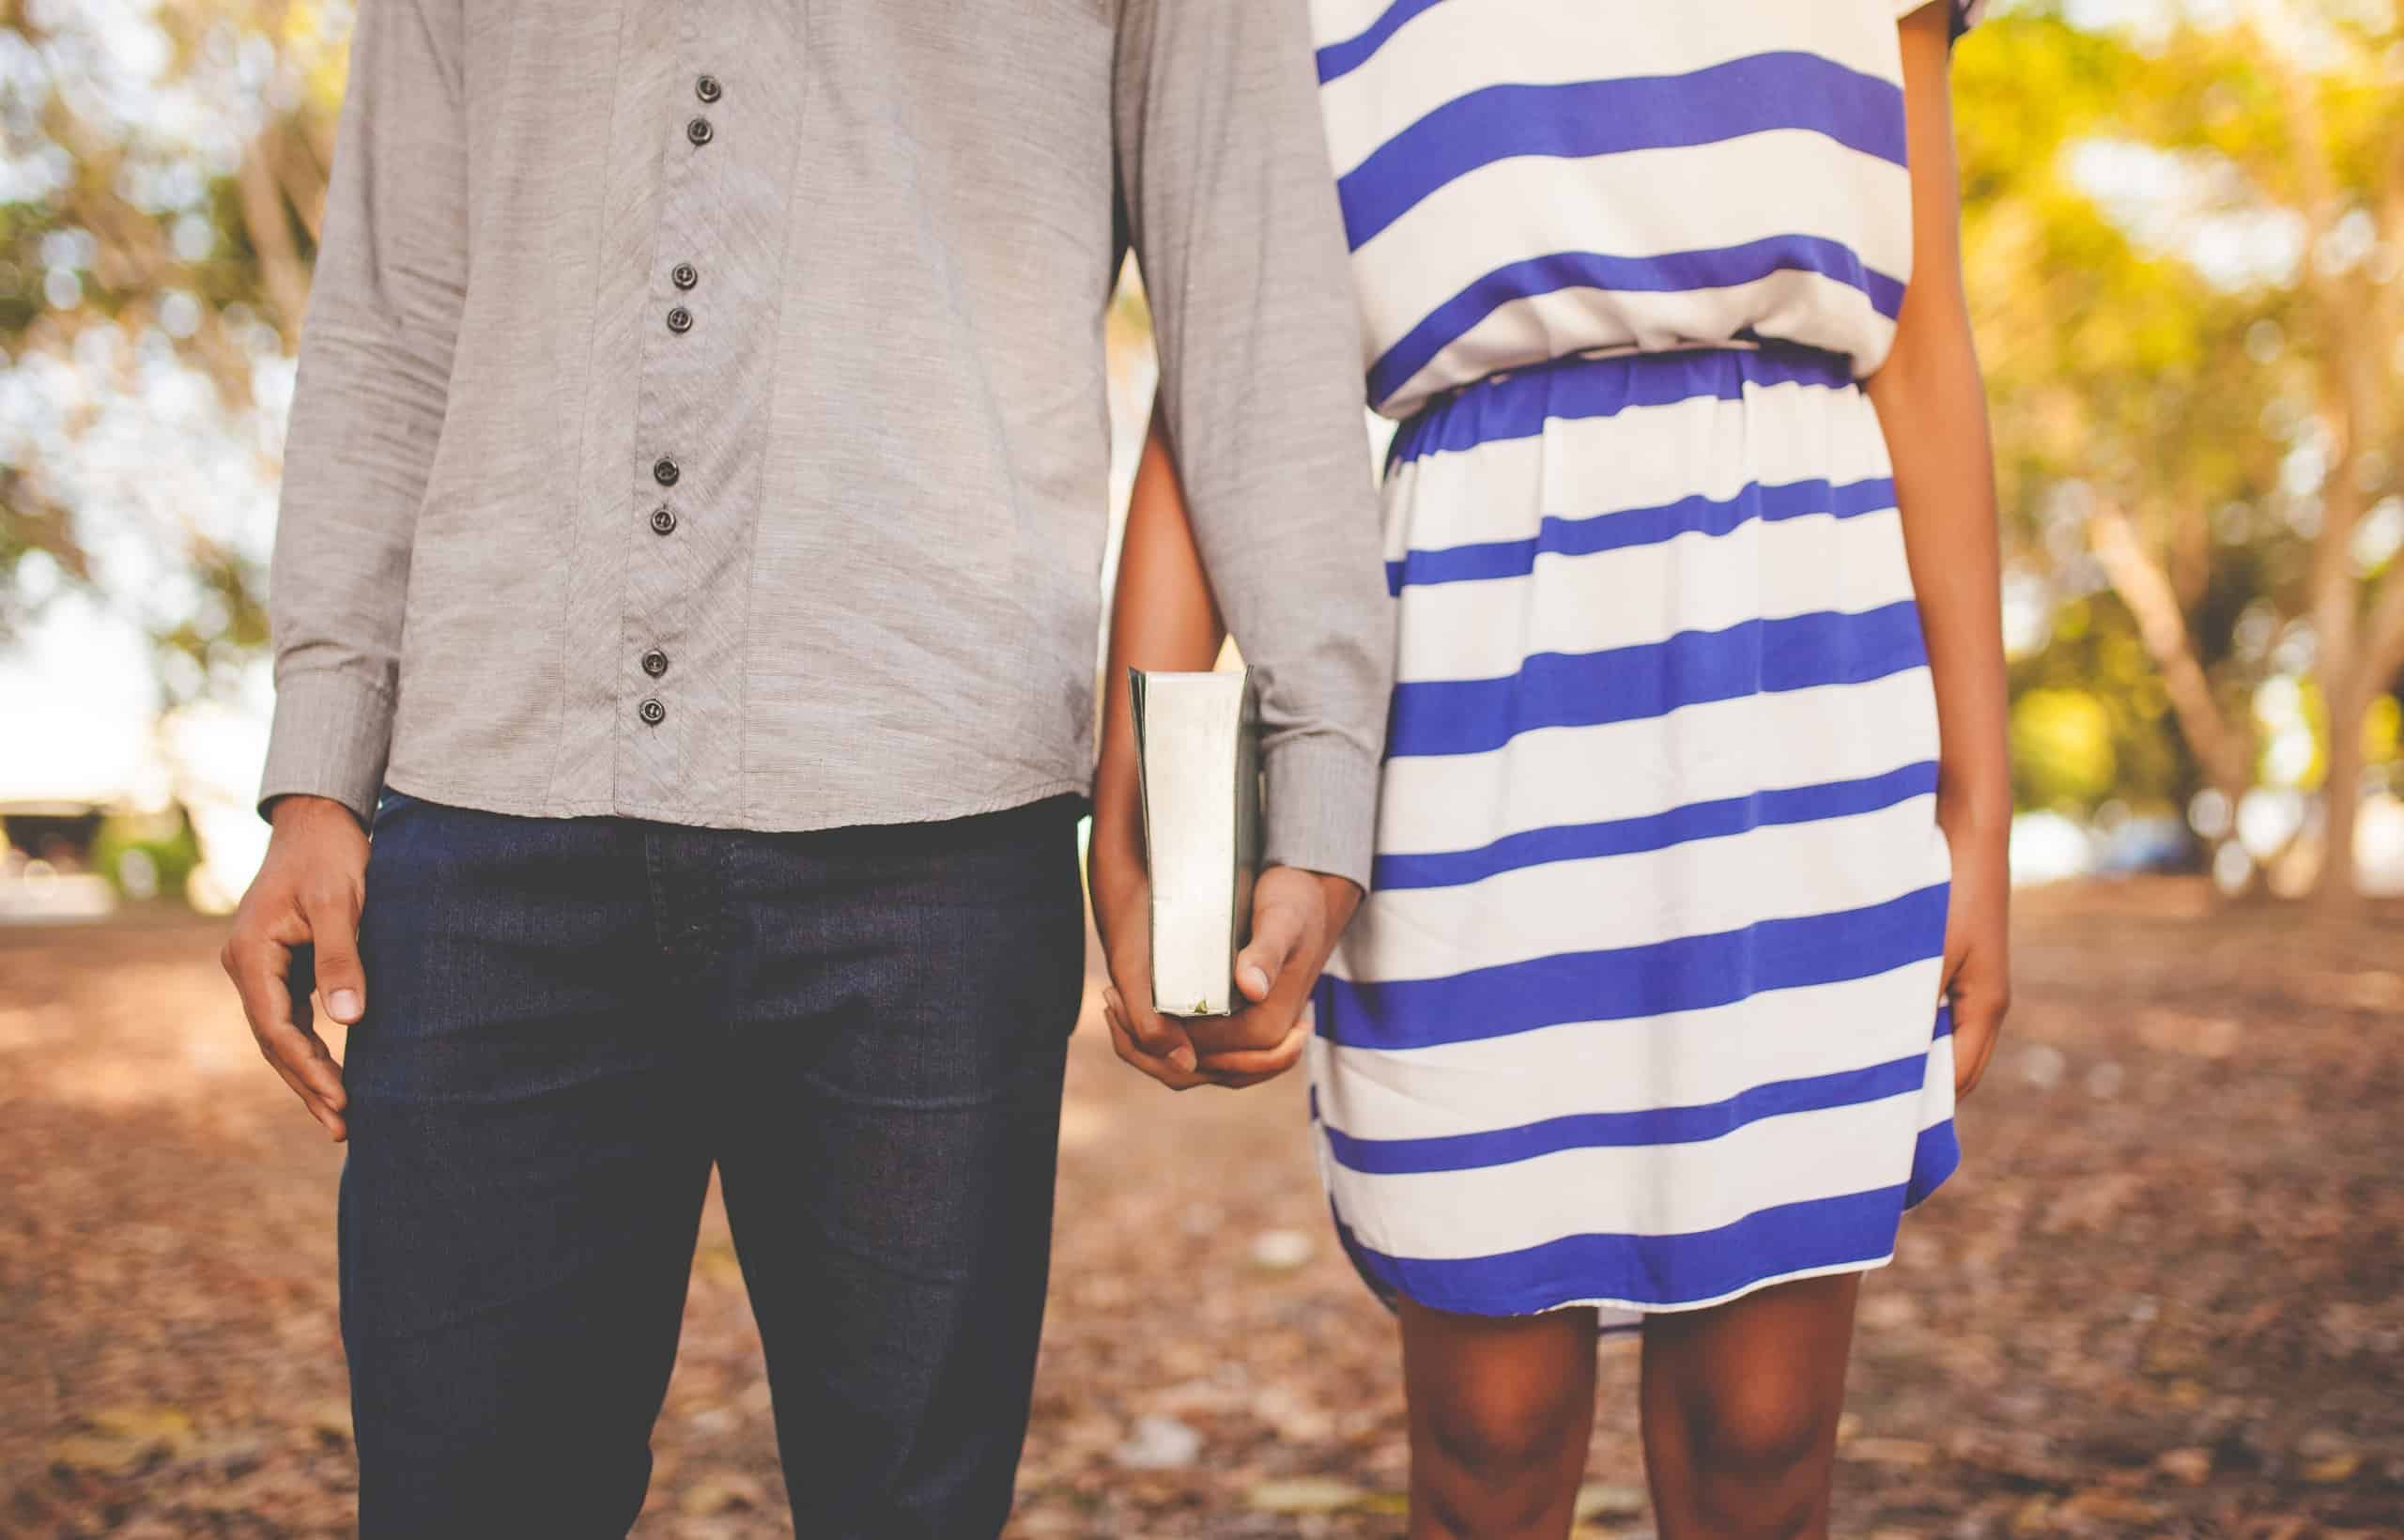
{"x": 2166, "y": 1298}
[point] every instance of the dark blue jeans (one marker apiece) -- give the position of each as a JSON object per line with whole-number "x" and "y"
{"x": 569, "y": 1022}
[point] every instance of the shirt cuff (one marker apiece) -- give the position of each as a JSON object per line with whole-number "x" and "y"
{"x": 1321, "y": 808}
{"x": 332, "y": 734}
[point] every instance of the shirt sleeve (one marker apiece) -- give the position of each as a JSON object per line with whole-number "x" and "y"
{"x": 368, "y": 401}
{"x": 1230, "y": 200}
{"x": 1967, "y": 13}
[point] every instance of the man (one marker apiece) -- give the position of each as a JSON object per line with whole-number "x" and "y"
{"x": 693, "y": 510}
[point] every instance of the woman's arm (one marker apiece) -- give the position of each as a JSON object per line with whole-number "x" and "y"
{"x": 1162, "y": 617}
{"x": 1933, "y": 406}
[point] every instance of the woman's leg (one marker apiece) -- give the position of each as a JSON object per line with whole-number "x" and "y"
{"x": 1501, "y": 1410}
{"x": 1740, "y": 1406}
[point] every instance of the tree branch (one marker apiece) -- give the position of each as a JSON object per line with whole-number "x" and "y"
{"x": 303, "y": 176}
{"x": 2382, "y": 657}
{"x": 268, "y": 219}
{"x": 2226, "y": 755}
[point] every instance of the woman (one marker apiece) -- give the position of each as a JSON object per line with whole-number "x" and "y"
{"x": 1656, "y": 1014}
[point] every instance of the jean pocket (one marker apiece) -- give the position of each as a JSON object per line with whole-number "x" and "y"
{"x": 388, "y": 804}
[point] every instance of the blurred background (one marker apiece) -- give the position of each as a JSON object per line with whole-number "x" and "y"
{"x": 2165, "y": 1299}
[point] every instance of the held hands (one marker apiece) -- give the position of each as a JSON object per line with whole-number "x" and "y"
{"x": 303, "y": 904}
{"x": 1296, "y": 918}
{"x": 1978, "y": 968}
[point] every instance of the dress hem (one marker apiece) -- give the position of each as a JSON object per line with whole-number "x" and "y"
{"x": 1389, "y": 1293}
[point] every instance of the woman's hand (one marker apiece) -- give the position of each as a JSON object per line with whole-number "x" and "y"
{"x": 1123, "y": 916}
{"x": 1977, "y": 943}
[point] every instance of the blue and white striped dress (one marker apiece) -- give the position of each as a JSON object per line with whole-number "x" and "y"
{"x": 1642, "y": 1012}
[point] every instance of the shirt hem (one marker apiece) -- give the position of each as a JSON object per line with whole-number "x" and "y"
{"x": 750, "y": 819}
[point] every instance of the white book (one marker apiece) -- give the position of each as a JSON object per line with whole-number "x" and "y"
{"x": 1197, "y": 750}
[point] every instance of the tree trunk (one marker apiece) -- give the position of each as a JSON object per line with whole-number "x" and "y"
{"x": 2333, "y": 887}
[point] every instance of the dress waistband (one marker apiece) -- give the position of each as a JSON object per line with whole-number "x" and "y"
{"x": 1598, "y": 382}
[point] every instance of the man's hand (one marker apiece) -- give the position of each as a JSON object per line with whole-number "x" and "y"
{"x": 1296, "y": 918}
{"x": 302, "y": 909}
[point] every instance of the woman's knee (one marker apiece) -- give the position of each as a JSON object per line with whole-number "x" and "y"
{"x": 1760, "y": 1429}
{"x": 1502, "y": 1430}
{"x": 1759, "y": 1461}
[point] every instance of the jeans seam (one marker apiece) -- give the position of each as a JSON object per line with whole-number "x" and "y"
{"x": 655, "y": 881}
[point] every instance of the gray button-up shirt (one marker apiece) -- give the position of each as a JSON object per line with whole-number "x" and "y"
{"x": 702, "y": 412}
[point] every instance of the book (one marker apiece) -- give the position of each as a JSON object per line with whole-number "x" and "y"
{"x": 1197, "y": 752}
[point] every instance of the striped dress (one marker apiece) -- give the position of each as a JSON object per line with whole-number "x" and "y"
{"x": 1642, "y": 1012}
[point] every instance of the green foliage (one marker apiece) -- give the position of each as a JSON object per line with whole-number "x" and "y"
{"x": 170, "y": 160}
{"x": 2133, "y": 366}
{"x": 2152, "y": 354}
{"x": 165, "y": 844}
{"x": 2101, "y": 730}
{"x": 2061, "y": 747}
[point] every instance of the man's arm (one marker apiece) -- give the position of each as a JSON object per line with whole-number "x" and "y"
{"x": 1225, "y": 182}
{"x": 367, "y": 411}
{"x": 368, "y": 403}
{"x": 1225, "y": 179}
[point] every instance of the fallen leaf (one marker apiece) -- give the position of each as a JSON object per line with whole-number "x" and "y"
{"x": 1159, "y": 1443}
{"x": 1305, "y": 1495}
{"x": 1877, "y": 1451}
{"x": 96, "y": 1452}
{"x": 153, "y": 1424}
{"x": 1280, "y": 1251}
{"x": 328, "y": 1419}
{"x": 2102, "y": 1502}
{"x": 722, "y": 1492}
{"x": 1601, "y": 1500}
{"x": 122, "y": 1439}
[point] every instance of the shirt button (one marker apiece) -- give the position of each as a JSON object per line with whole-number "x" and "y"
{"x": 654, "y": 663}
{"x": 662, "y": 520}
{"x": 707, "y": 88}
{"x": 699, "y": 130}
{"x": 651, "y": 712}
{"x": 664, "y": 471}
{"x": 680, "y": 320}
{"x": 685, "y": 275}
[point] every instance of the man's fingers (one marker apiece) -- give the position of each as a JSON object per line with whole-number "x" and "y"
{"x": 301, "y": 1057}
{"x": 1277, "y": 930}
{"x": 328, "y": 1117}
{"x": 1251, "y": 1066}
{"x": 301, "y": 1054}
{"x": 333, "y": 934}
{"x": 1233, "y": 1070}
{"x": 279, "y": 1022}
{"x": 257, "y": 968}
